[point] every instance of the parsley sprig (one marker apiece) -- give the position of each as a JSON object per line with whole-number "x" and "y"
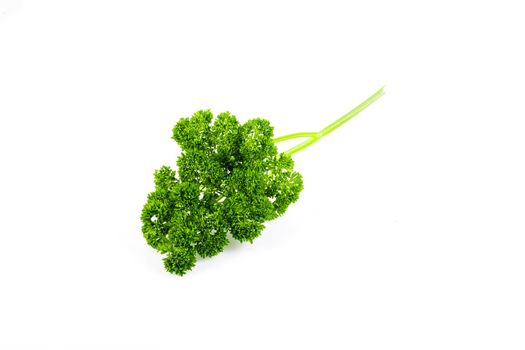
{"x": 230, "y": 180}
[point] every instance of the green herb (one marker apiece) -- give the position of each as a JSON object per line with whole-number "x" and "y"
{"x": 230, "y": 180}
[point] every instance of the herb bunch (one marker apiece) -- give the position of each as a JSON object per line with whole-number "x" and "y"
{"x": 230, "y": 180}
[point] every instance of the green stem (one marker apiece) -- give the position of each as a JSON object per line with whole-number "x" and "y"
{"x": 316, "y": 136}
{"x": 294, "y": 136}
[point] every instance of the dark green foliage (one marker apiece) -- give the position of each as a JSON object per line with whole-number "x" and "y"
{"x": 230, "y": 180}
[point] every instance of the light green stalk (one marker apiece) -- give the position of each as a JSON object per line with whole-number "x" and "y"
{"x": 313, "y": 137}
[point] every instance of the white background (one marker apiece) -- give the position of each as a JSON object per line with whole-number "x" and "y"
{"x": 409, "y": 233}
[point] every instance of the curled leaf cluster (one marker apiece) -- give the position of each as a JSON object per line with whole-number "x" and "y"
{"x": 230, "y": 180}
